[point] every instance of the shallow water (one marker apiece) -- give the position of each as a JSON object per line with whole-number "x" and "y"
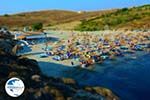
{"x": 128, "y": 78}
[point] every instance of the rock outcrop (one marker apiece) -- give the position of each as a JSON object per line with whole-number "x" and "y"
{"x": 5, "y": 34}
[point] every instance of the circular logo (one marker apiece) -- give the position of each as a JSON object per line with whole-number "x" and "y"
{"x": 14, "y": 87}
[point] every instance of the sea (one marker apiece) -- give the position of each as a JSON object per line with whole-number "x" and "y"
{"x": 128, "y": 77}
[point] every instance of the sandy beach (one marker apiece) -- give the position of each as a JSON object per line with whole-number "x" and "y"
{"x": 69, "y": 38}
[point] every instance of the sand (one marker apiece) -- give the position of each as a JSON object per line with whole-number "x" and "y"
{"x": 65, "y": 36}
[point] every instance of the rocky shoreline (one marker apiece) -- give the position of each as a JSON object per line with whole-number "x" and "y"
{"x": 39, "y": 86}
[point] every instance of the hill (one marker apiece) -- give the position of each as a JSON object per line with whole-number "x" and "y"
{"x": 126, "y": 18}
{"x": 48, "y": 18}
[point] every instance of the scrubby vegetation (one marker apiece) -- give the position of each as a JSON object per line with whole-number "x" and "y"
{"x": 6, "y": 15}
{"x": 126, "y": 18}
{"x": 37, "y": 26}
{"x": 48, "y": 18}
{"x": 129, "y": 18}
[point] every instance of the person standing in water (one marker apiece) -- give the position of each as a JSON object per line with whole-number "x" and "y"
{"x": 72, "y": 63}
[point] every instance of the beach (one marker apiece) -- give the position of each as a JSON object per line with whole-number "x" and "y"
{"x": 123, "y": 75}
{"x": 87, "y": 48}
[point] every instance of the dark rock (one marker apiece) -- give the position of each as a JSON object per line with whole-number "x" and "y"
{"x": 36, "y": 78}
{"x": 5, "y": 34}
{"x": 83, "y": 95}
{"x": 4, "y": 71}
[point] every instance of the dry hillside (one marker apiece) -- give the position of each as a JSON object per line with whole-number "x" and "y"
{"x": 48, "y": 18}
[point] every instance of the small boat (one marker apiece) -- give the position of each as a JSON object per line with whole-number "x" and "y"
{"x": 43, "y": 55}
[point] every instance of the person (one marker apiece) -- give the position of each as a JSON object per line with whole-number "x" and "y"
{"x": 72, "y": 63}
{"x": 68, "y": 41}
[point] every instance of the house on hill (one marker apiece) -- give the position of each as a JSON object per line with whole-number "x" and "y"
{"x": 81, "y": 12}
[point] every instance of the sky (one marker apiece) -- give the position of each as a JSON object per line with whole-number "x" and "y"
{"x": 17, "y": 6}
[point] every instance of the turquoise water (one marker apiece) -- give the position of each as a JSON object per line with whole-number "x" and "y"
{"x": 128, "y": 78}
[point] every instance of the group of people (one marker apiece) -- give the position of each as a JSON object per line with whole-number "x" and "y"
{"x": 88, "y": 48}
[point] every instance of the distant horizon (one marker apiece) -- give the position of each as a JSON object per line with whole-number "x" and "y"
{"x": 58, "y": 10}
{"x": 16, "y": 6}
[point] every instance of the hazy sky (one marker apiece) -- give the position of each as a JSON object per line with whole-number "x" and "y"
{"x": 16, "y": 6}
